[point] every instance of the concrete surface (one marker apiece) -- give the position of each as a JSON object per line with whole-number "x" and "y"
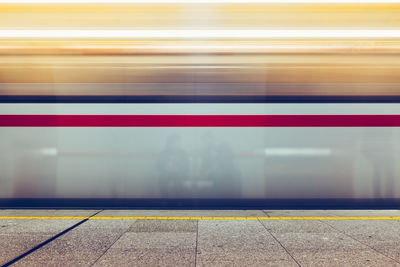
{"x": 19, "y": 236}
{"x": 200, "y": 242}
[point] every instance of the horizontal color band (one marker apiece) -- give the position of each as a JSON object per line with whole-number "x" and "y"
{"x": 199, "y": 120}
{"x": 194, "y": 1}
{"x": 192, "y": 218}
{"x": 198, "y": 99}
{"x": 201, "y": 34}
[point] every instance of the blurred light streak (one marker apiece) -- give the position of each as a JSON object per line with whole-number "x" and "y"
{"x": 199, "y": 1}
{"x": 49, "y": 151}
{"x": 191, "y": 47}
{"x": 199, "y": 34}
{"x": 298, "y": 152}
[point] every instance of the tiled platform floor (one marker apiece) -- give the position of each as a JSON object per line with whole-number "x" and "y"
{"x": 329, "y": 240}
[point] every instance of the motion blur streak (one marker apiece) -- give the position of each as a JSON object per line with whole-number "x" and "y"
{"x": 199, "y": 34}
{"x": 129, "y": 99}
{"x": 298, "y": 152}
{"x": 199, "y": 1}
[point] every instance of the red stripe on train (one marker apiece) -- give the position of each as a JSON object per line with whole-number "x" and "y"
{"x": 199, "y": 120}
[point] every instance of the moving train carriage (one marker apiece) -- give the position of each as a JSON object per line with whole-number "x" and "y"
{"x": 176, "y": 119}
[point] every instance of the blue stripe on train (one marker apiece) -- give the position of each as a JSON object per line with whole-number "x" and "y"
{"x": 197, "y": 99}
{"x": 168, "y": 203}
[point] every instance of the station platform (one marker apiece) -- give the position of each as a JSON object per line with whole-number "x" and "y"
{"x": 199, "y": 237}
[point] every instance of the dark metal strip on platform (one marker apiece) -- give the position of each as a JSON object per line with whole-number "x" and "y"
{"x": 197, "y": 99}
{"x": 129, "y": 203}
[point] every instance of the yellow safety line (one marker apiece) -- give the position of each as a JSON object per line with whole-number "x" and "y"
{"x": 192, "y": 218}
{"x": 42, "y": 218}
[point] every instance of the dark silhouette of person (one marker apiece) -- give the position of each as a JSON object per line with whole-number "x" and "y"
{"x": 378, "y": 149}
{"x": 217, "y": 168}
{"x": 173, "y": 168}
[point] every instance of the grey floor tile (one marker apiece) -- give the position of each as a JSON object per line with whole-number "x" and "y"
{"x": 296, "y": 213}
{"x": 364, "y": 213}
{"x": 330, "y": 249}
{"x": 219, "y": 242}
{"x": 41, "y": 226}
{"x": 239, "y": 243}
{"x": 151, "y": 249}
{"x": 10, "y": 223}
{"x": 381, "y": 235}
{"x": 164, "y": 226}
{"x": 296, "y": 226}
{"x": 14, "y": 245}
{"x": 46, "y": 213}
{"x": 29, "y": 212}
{"x": 18, "y": 239}
{"x": 77, "y": 213}
{"x": 81, "y": 246}
{"x": 314, "y": 243}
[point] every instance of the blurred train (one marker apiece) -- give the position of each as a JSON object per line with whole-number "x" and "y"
{"x": 221, "y": 120}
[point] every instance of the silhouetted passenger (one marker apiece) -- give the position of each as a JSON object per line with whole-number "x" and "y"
{"x": 218, "y": 169}
{"x": 378, "y": 149}
{"x": 172, "y": 166}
